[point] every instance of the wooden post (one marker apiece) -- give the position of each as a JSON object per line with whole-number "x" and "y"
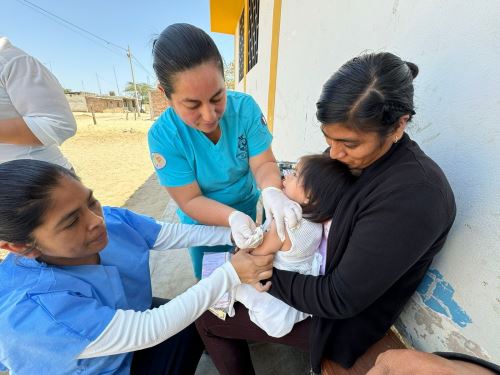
{"x": 136, "y": 112}
{"x": 93, "y": 115}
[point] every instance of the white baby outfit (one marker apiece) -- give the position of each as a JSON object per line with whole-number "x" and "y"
{"x": 269, "y": 313}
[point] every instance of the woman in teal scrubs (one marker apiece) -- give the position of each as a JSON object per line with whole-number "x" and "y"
{"x": 212, "y": 149}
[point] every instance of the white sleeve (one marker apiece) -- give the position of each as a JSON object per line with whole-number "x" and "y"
{"x": 39, "y": 99}
{"x": 178, "y": 236}
{"x": 135, "y": 330}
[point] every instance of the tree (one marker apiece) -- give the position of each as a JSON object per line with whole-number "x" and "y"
{"x": 142, "y": 90}
{"x": 68, "y": 91}
{"x": 112, "y": 93}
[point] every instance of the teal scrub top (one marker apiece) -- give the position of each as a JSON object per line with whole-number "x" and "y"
{"x": 182, "y": 154}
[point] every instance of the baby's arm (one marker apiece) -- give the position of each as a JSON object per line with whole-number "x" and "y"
{"x": 272, "y": 242}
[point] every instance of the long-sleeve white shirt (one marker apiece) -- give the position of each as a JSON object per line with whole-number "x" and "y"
{"x": 135, "y": 330}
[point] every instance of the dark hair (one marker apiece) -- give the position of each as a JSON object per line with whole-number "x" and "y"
{"x": 25, "y": 190}
{"x": 180, "y": 47}
{"x": 369, "y": 93}
{"x": 324, "y": 181}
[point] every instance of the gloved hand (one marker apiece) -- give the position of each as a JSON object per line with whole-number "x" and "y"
{"x": 245, "y": 233}
{"x": 279, "y": 207}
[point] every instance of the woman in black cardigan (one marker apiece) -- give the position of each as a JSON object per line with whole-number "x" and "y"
{"x": 384, "y": 233}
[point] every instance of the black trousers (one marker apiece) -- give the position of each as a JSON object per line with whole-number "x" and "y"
{"x": 226, "y": 341}
{"x": 179, "y": 354}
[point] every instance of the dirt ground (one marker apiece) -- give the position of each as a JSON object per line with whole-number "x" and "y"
{"x": 112, "y": 159}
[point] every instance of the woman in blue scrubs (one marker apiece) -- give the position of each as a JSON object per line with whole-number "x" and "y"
{"x": 212, "y": 149}
{"x": 75, "y": 290}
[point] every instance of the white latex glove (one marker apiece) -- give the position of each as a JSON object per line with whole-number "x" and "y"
{"x": 279, "y": 207}
{"x": 245, "y": 233}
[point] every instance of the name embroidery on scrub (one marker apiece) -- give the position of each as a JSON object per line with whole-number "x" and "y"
{"x": 242, "y": 147}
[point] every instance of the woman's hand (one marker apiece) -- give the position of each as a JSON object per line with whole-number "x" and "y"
{"x": 253, "y": 268}
{"x": 281, "y": 209}
{"x": 244, "y": 231}
{"x": 407, "y": 362}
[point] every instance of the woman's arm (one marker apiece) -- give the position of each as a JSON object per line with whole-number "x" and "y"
{"x": 38, "y": 97}
{"x": 390, "y": 236}
{"x": 265, "y": 170}
{"x": 135, "y": 330}
{"x": 200, "y": 208}
{"x": 15, "y": 131}
{"x": 276, "y": 204}
{"x": 208, "y": 211}
{"x": 408, "y": 362}
{"x": 178, "y": 236}
{"x": 272, "y": 243}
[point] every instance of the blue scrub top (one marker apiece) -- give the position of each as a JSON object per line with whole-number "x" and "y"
{"x": 49, "y": 314}
{"x": 182, "y": 154}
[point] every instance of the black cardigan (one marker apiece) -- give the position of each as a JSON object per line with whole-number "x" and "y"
{"x": 384, "y": 234}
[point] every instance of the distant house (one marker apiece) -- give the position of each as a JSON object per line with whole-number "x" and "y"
{"x": 81, "y": 101}
{"x": 157, "y": 103}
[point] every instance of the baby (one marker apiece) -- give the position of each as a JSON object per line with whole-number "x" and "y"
{"x": 317, "y": 184}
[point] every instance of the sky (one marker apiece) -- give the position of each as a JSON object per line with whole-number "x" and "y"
{"x": 82, "y": 62}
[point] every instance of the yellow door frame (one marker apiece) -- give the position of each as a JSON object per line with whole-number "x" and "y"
{"x": 245, "y": 48}
{"x": 273, "y": 64}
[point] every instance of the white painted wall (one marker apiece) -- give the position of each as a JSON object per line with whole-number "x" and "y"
{"x": 456, "y": 45}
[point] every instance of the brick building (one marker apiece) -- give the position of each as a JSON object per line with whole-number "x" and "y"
{"x": 157, "y": 103}
{"x": 86, "y": 102}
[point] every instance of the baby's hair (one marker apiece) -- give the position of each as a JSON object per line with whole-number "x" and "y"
{"x": 324, "y": 181}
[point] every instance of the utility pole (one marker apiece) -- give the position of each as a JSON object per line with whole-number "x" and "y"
{"x": 129, "y": 55}
{"x": 116, "y": 80}
{"x": 83, "y": 86}
{"x": 98, "y": 84}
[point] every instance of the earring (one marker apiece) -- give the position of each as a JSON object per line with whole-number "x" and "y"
{"x": 396, "y": 139}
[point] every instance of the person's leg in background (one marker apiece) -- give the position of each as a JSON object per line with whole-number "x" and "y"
{"x": 226, "y": 340}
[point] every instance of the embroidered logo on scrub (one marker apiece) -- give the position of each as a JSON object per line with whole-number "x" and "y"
{"x": 158, "y": 160}
{"x": 242, "y": 147}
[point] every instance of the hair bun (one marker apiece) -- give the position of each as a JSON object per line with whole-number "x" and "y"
{"x": 413, "y": 69}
